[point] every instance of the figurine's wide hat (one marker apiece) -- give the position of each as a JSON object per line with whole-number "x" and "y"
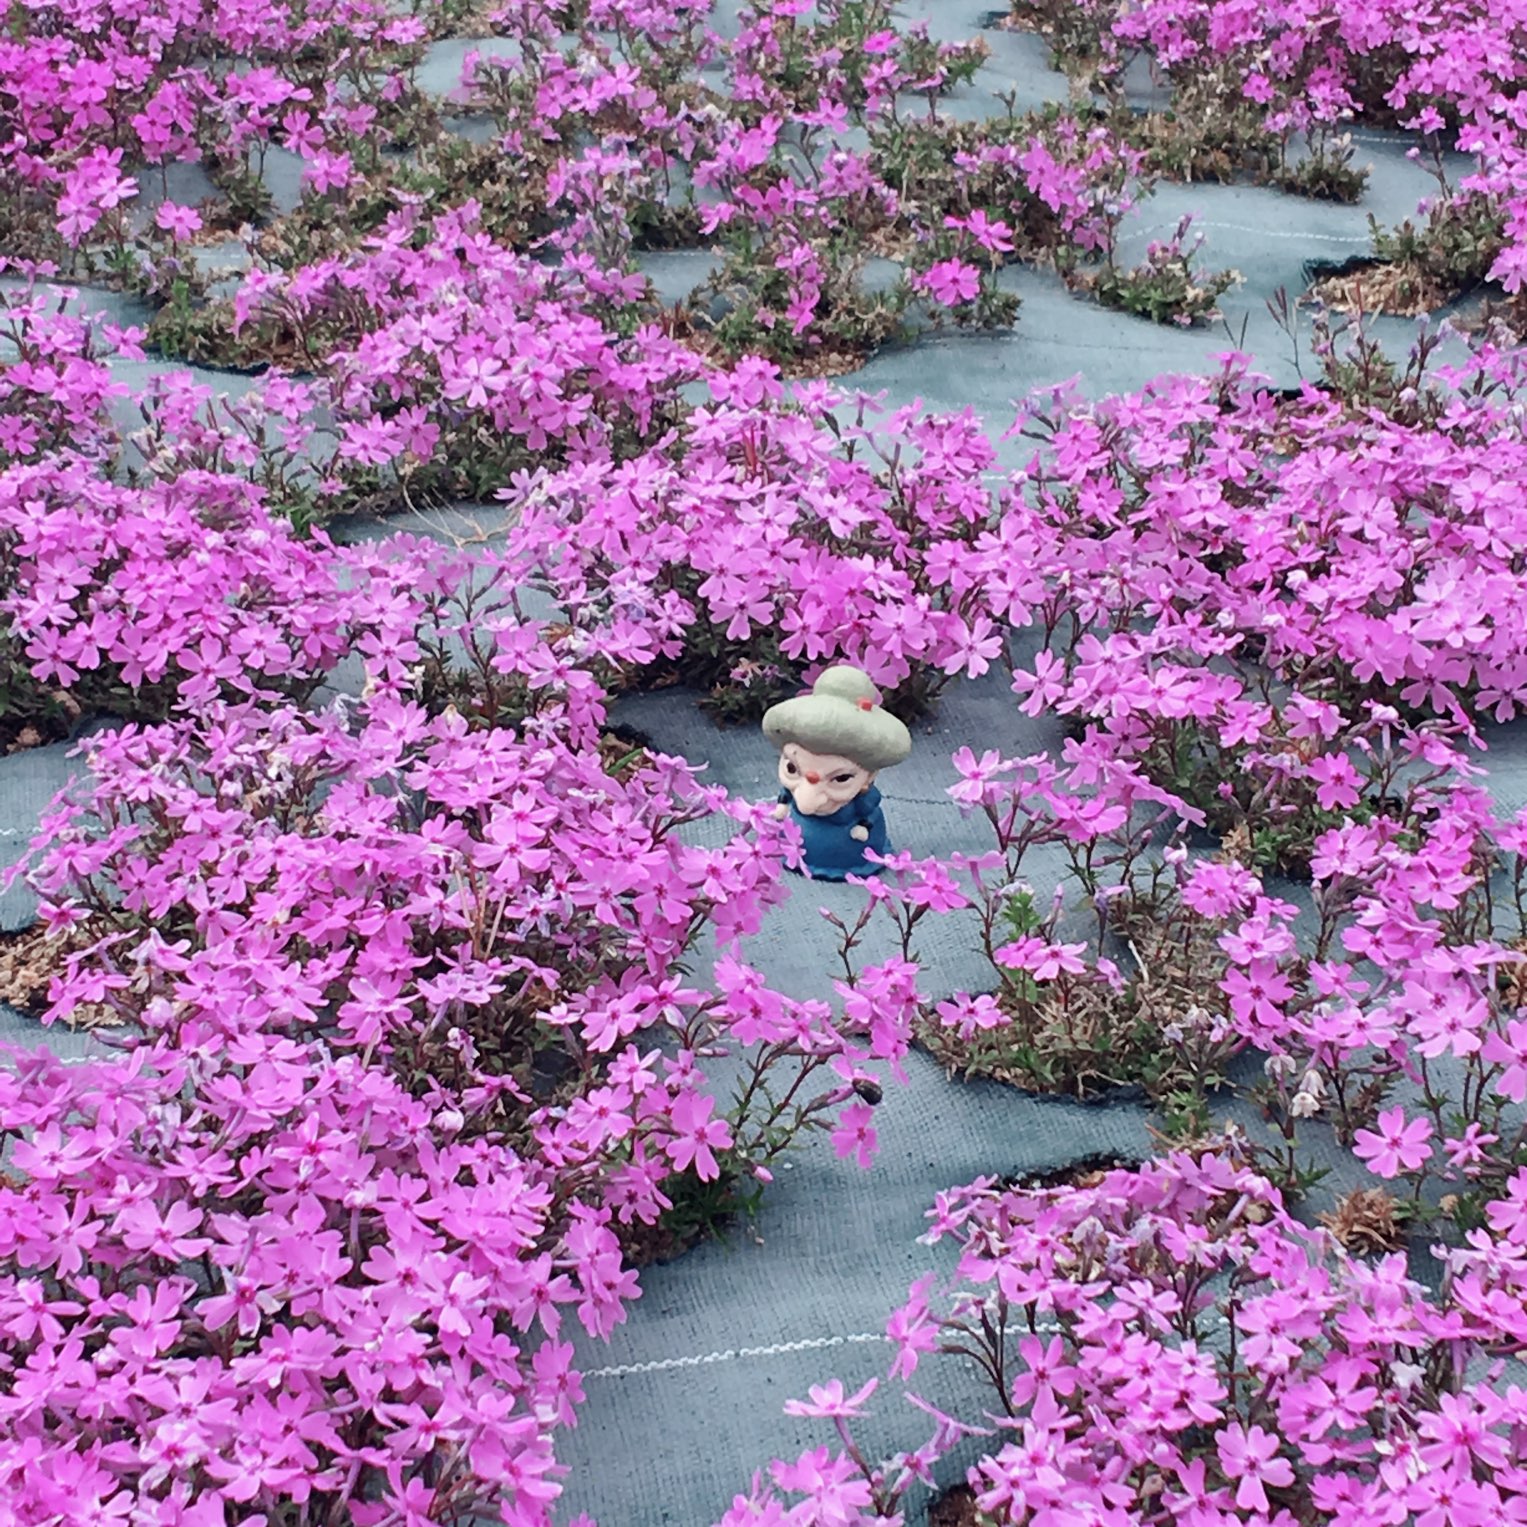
{"x": 842, "y": 715}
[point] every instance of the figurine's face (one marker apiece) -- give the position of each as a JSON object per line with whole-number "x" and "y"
{"x": 820, "y": 782}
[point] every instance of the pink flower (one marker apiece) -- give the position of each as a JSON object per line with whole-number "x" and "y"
{"x": 1040, "y": 958}
{"x": 1243, "y": 723}
{"x": 951, "y": 282}
{"x": 1468, "y": 1149}
{"x": 1338, "y": 784}
{"x": 990, "y": 233}
{"x": 1396, "y": 1146}
{"x": 1508, "y": 1214}
{"x": 1250, "y": 1456}
{"x": 178, "y": 221}
{"x": 144, "y": 1228}
{"x": 972, "y": 648}
{"x": 1046, "y": 1371}
{"x": 1219, "y": 888}
{"x": 328, "y": 172}
{"x": 969, "y": 1015}
{"x": 828, "y": 1402}
{"x": 1044, "y": 687}
{"x": 911, "y": 1329}
{"x": 834, "y": 1485}
{"x": 855, "y": 1134}
{"x": 697, "y": 1136}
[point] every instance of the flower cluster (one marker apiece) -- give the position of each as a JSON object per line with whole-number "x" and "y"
{"x": 1169, "y": 1345}
{"x": 179, "y": 590}
{"x": 392, "y": 977}
{"x": 867, "y": 540}
{"x": 410, "y": 1072}
{"x": 1250, "y": 88}
{"x": 56, "y": 386}
{"x": 94, "y": 95}
{"x": 467, "y": 352}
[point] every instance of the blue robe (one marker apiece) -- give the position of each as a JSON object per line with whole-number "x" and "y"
{"x": 830, "y": 853}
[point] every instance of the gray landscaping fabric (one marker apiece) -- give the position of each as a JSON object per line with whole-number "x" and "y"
{"x": 685, "y": 1401}
{"x": 29, "y": 781}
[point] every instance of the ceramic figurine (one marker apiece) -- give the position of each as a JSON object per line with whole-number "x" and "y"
{"x": 832, "y": 743}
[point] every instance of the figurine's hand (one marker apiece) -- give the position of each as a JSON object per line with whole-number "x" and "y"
{"x": 781, "y": 811}
{"x": 860, "y": 834}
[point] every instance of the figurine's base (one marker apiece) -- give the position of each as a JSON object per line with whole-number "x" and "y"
{"x": 835, "y": 872}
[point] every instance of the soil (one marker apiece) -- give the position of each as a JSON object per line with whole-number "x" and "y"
{"x": 623, "y": 749}
{"x": 1378, "y": 286}
{"x": 954, "y": 1055}
{"x": 28, "y": 962}
{"x": 1494, "y": 311}
{"x": 20, "y": 733}
{"x": 822, "y": 363}
{"x": 1368, "y": 1222}
{"x": 956, "y": 1507}
{"x": 1084, "y": 1172}
{"x": 651, "y": 1245}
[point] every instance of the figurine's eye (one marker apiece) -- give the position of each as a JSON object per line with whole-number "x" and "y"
{"x": 842, "y": 779}
{"x": 790, "y": 768}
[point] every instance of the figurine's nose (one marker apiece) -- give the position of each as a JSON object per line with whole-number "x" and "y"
{"x": 813, "y": 779}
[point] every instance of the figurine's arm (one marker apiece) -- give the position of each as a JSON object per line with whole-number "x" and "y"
{"x": 868, "y": 806}
{"x": 782, "y": 810}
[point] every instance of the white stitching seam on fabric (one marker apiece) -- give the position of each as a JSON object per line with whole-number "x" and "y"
{"x": 806, "y": 1344}
{"x": 733, "y": 1354}
{"x": 778, "y": 1349}
{"x": 1264, "y": 233}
